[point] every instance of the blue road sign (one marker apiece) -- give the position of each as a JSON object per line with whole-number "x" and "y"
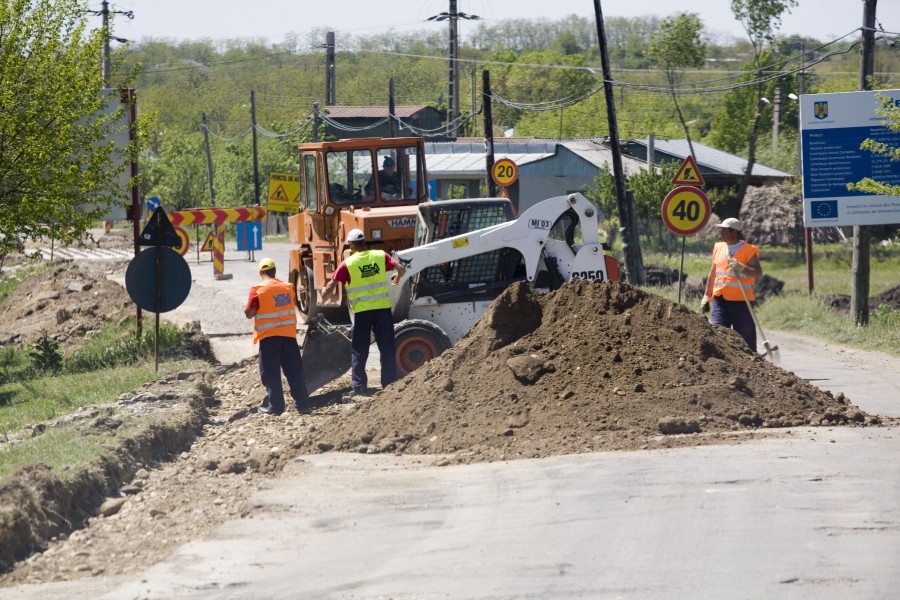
{"x": 249, "y": 235}
{"x": 153, "y": 203}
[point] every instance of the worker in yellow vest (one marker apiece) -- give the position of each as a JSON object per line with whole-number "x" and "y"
{"x": 729, "y": 287}
{"x": 271, "y": 305}
{"x": 364, "y": 273}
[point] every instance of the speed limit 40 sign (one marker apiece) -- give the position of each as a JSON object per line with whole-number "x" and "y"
{"x": 505, "y": 172}
{"x": 686, "y": 210}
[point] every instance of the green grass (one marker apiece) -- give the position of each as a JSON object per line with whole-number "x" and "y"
{"x": 68, "y": 449}
{"x": 798, "y": 311}
{"x": 29, "y": 402}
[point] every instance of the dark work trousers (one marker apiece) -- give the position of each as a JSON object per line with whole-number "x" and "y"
{"x": 736, "y": 315}
{"x": 277, "y": 354}
{"x": 381, "y": 323}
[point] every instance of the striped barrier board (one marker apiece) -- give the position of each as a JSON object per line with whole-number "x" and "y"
{"x": 207, "y": 216}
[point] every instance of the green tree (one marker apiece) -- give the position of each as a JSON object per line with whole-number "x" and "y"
{"x": 676, "y": 46}
{"x": 54, "y": 150}
{"x": 760, "y": 20}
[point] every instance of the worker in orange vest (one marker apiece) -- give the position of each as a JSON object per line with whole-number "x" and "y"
{"x": 729, "y": 287}
{"x": 271, "y": 305}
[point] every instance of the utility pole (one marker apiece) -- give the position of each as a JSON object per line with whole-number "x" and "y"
{"x": 315, "y": 123}
{"x": 392, "y": 126}
{"x": 631, "y": 246}
{"x": 255, "y": 154}
{"x": 330, "y": 96}
{"x": 453, "y": 65}
{"x": 209, "y": 166}
{"x": 488, "y": 134}
{"x": 453, "y": 75}
{"x": 776, "y": 119}
{"x": 104, "y": 12}
{"x": 807, "y": 231}
{"x": 862, "y": 234}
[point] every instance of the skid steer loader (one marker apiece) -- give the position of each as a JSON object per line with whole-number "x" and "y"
{"x": 466, "y": 253}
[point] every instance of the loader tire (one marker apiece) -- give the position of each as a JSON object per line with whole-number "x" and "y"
{"x": 307, "y": 303}
{"x": 417, "y": 342}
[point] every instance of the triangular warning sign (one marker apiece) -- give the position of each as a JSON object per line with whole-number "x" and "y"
{"x": 688, "y": 173}
{"x": 159, "y": 231}
{"x": 208, "y": 243}
{"x": 279, "y": 194}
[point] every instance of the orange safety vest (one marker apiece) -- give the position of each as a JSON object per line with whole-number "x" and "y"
{"x": 727, "y": 284}
{"x": 276, "y": 315}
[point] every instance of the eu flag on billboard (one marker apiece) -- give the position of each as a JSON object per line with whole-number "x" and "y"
{"x": 823, "y": 209}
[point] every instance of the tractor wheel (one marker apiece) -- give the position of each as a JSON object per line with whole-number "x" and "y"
{"x": 307, "y": 304}
{"x": 418, "y": 342}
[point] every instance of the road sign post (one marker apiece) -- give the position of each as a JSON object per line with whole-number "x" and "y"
{"x": 685, "y": 211}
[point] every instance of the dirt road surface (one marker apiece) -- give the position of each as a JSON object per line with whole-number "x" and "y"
{"x": 811, "y": 514}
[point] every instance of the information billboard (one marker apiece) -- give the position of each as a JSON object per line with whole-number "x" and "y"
{"x": 832, "y": 129}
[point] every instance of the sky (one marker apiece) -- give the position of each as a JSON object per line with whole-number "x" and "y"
{"x": 274, "y": 19}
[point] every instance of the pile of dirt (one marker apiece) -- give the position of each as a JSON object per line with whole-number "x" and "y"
{"x": 69, "y": 301}
{"x": 773, "y": 216}
{"x": 890, "y": 298}
{"x": 590, "y": 367}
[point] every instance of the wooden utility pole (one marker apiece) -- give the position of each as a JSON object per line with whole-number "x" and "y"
{"x": 209, "y": 165}
{"x": 256, "y": 191}
{"x": 862, "y": 234}
{"x": 488, "y": 134}
{"x": 392, "y": 125}
{"x": 631, "y": 246}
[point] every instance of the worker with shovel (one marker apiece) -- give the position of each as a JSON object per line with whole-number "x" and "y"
{"x": 729, "y": 287}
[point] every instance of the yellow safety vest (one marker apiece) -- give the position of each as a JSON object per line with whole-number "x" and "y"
{"x": 727, "y": 284}
{"x": 276, "y": 315}
{"x": 368, "y": 287}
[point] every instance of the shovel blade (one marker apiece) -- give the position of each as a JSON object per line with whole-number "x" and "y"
{"x": 326, "y": 356}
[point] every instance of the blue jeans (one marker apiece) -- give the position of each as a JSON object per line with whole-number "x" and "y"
{"x": 381, "y": 322}
{"x": 277, "y": 354}
{"x": 736, "y": 315}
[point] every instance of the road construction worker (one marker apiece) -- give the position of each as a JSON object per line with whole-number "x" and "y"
{"x": 364, "y": 273}
{"x": 271, "y": 305}
{"x": 729, "y": 287}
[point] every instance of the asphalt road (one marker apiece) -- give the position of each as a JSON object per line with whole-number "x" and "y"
{"x": 811, "y": 515}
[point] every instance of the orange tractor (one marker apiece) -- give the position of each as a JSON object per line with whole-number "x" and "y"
{"x": 372, "y": 184}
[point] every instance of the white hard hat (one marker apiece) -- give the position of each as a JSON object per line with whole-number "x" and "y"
{"x": 356, "y": 235}
{"x": 731, "y": 223}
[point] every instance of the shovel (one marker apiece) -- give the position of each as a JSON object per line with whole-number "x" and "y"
{"x": 771, "y": 349}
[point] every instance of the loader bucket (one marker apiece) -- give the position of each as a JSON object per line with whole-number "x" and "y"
{"x": 326, "y": 356}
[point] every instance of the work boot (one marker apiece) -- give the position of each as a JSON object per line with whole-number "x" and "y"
{"x": 268, "y": 410}
{"x": 304, "y": 408}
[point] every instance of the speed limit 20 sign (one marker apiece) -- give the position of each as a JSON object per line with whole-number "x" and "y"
{"x": 686, "y": 210}
{"x": 505, "y": 172}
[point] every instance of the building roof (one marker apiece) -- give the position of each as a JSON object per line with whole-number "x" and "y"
{"x": 710, "y": 160}
{"x": 372, "y": 112}
{"x": 465, "y": 157}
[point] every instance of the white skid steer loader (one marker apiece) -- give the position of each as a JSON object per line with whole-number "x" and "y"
{"x": 466, "y": 253}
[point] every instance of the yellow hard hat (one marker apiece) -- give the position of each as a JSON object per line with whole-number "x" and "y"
{"x": 266, "y": 264}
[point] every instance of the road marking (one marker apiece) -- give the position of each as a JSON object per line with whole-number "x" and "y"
{"x": 81, "y": 254}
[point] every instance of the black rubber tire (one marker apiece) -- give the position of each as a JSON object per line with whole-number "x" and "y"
{"x": 307, "y": 304}
{"x": 417, "y": 342}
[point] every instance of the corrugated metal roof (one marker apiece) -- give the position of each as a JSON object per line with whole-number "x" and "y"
{"x": 598, "y": 154}
{"x": 466, "y": 157}
{"x": 712, "y": 160}
{"x": 371, "y": 112}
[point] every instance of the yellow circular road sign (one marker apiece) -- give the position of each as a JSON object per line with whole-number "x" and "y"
{"x": 686, "y": 210}
{"x": 185, "y": 241}
{"x": 505, "y": 172}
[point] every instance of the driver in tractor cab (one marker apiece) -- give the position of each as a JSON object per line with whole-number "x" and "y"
{"x": 388, "y": 181}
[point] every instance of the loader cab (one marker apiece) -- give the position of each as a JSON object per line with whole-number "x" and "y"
{"x": 479, "y": 276}
{"x": 363, "y": 173}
